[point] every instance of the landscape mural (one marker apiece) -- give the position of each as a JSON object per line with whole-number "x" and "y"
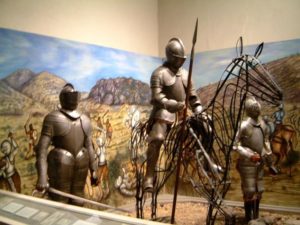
{"x": 115, "y": 93}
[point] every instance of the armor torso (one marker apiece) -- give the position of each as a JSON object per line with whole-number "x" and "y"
{"x": 252, "y": 135}
{"x": 67, "y": 132}
{"x": 171, "y": 86}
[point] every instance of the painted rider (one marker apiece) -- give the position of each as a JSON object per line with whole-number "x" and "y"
{"x": 66, "y": 166}
{"x": 253, "y": 146}
{"x": 168, "y": 86}
{"x": 279, "y": 116}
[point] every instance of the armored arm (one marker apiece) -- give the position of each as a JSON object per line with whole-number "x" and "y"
{"x": 88, "y": 144}
{"x": 42, "y": 153}
{"x": 194, "y": 100}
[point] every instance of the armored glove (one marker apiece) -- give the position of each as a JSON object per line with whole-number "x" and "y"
{"x": 94, "y": 178}
{"x": 255, "y": 157}
{"x": 42, "y": 184}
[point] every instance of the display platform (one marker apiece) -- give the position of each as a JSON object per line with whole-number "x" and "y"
{"x": 21, "y": 209}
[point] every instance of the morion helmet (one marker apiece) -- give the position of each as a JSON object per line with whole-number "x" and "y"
{"x": 175, "y": 53}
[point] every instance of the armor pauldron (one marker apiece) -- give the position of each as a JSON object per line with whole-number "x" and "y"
{"x": 86, "y": 125}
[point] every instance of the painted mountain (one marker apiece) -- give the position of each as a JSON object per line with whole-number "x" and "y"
{"x": 41, "y": 88}
{"x": 19, "y": 78}
{"x": 120, "y": 91}
{"x": 15, "y": 103}
{"x": 44, "y": 88}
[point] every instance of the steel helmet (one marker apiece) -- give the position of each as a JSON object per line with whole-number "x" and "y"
{"x": 175, "y": 53}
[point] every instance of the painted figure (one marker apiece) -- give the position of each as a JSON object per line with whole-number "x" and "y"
{"x": 133, "y": 117}
{"x": 168, "y": 87}
{"x": 109, "y": 131}
{"x": 102, "y": 171}
{"x": 66, "y": 166}
{"x": 31, "y": 133}
{"x": 254, "y": 151}
{"x": 9, "y": 176}
{"x": 279, "y": 116}
{"x": 126, "y": 182}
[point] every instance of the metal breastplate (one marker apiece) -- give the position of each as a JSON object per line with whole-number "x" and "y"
{"x": 173, "y": 87}
{"x": 73, "y": 140}
{"x": 254, "y": 138}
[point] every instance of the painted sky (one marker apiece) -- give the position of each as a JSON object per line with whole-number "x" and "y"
{"x": 209, "y": 66}
{"x": 78, "y": 63}
{"x": 84, "y": 64}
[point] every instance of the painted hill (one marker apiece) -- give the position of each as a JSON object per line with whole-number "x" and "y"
{"x": 15, "y": 103}
{"x": 44, "y": 88}
{"x": 19, "y": 78}
{"x": 120, "y": 91}
{"x": 287, "y": 73}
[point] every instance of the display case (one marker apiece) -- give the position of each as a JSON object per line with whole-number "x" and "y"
{"x": 20, "y": 209}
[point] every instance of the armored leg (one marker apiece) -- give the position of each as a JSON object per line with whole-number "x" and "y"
{"x": 152, "y": 157}
{"x": 248, "y": 205}
{"x": 256, "y": 206}
{"x": 60, "y": 172}
{"x": 156, "y": 138}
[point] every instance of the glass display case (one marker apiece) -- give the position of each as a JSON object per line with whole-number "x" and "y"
{"x": 21, "y": 209}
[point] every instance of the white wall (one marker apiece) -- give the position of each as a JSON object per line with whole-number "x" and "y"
{"x": 145, "y": 26}
{"x": 221, "y": 22}
{"x": 130, "y": 25}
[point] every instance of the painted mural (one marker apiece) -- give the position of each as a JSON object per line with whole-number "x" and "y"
{"x": 115, "y": 93}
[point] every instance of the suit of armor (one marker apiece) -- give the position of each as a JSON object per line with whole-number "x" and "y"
{"x": 168, "y": 87}
{"x": 66, "y": 166}
{"x": 254, "y": 152}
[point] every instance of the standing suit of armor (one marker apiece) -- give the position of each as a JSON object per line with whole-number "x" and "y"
{"x": 254, "y": 152}
{"x": 168, "y": 87}
{"x": 66, "y": 166}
